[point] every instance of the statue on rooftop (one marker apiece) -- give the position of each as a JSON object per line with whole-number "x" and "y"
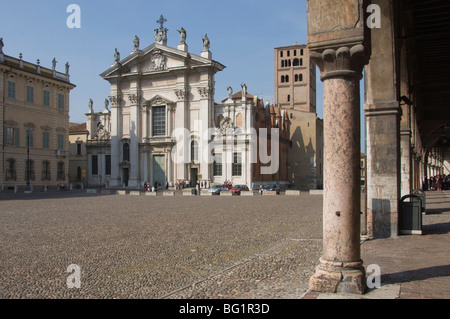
{"x": 91, "y": 104}
{"x": 182, "y": 32}
{"x": 206, "y": 43}
{"x": 116, "y": 56}
{"x": 136, "y": 43}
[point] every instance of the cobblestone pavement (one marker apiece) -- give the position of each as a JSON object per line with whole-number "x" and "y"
{"x": 158, "y": 247}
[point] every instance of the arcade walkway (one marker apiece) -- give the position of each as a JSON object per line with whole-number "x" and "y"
{"x": 412, "y": 266}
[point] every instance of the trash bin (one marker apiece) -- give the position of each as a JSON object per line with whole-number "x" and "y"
{"x": 422, "y": 196}
{"x": 410, "y": 217}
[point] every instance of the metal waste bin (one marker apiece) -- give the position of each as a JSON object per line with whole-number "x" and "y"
{"x": 410, "y": 218}
{"x": 422, "y": 196}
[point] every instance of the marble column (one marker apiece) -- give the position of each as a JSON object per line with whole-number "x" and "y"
{"x": 341, "y": 268}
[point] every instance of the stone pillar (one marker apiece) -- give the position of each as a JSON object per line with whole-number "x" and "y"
{"x": 338, "y": 46}
{"x": 383, "y": 114}
{"x": 341, "y": 268}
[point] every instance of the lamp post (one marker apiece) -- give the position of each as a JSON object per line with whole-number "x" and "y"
{"x": 28, "y": 168}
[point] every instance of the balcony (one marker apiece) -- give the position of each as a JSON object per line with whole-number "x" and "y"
{"x": 61, "y": 153}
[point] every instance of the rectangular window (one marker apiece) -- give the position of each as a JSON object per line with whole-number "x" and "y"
{"x": 11, "y": 90}
{"x": 46, "y": 98}
{"x": 237, "y": 164}
{"x": 45, "y": 171}
{"x": 61, "y": 101}
{"x": 94, "y": 161}
{"x": 11, "y": 136}
{"x": 159, "y": 121}
{"x": 107, "y": 164}
{"x": 217, "y": 165}
{"x": 61, "y": 173}
{"x": 10, "y": 169}
{"x": 78, "y": 149}
{"x": 30, "y": 94}
{"x": 30, "y": 138}
{"x": 60, "y": 141}
{"x": 45, "y": 140}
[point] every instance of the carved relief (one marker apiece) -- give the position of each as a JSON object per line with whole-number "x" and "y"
{"x": 101, "y": 134}
{"x": 204, "y": 91}
{"x": 226, "y": 125}
{"x": 115, "y": 100}
{"x": 134, "y": 98}
{"x": 181, "y": 94}
{"x": 158, "y": 62}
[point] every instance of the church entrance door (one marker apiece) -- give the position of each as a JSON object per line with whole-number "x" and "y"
{"x": 125, "y": 176}
{"x": 194, "y": 174}
{"x": 159, "y": 170}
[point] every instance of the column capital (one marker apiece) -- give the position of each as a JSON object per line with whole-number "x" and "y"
{"x": 134, "y": 98}
{"x": 343, "y": 61}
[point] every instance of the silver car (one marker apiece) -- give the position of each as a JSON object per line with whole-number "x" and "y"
{"x": 216, "y": 189}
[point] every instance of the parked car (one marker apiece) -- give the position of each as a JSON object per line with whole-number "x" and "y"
{"x": 216, "y": 189}
{"x": 236, "y": 190}
{"x": 272, "y": 187}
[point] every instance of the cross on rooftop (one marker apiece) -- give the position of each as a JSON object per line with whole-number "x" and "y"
{"x": 161, "y": 22}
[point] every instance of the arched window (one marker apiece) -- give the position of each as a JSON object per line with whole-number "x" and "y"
{"x": 282, "y": 79}
{"x": 301, "y": 61}
{"x": 296, "y": 62}
{"x": 194, "y": 151}
{"x": 286, "y": 78}
{"x": 126, "y": 152}
{"x": 296, "y": 78}
{"x": 282, "y": 63}
{"x": 300, "y": 77}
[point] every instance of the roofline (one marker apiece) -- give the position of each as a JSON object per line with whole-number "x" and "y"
{"x": 136, "y": 54}
{"x": 35, "y": 73}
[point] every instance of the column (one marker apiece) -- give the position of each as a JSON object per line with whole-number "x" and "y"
{"x": 338, "y": 45}
{"x": 341, "y": 268}
{"x": 135, "y": 137}
{"x": 116, "y": 135}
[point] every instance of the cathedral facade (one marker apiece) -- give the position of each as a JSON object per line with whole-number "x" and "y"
{"x": 163, "y": 125}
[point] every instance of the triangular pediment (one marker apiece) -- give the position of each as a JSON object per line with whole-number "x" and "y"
{"x": 158, "y": 100}
{"x": 158, "y": 58}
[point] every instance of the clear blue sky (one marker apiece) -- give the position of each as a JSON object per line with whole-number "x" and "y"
{"x": 243, "y": 36}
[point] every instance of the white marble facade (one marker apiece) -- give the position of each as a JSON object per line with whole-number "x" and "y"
{"x": 159, "y": 92}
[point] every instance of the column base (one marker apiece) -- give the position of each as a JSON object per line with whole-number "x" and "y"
{"x": 339, "y": 277}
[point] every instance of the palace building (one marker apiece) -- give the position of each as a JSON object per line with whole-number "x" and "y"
{"x": 34, "y": 119}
